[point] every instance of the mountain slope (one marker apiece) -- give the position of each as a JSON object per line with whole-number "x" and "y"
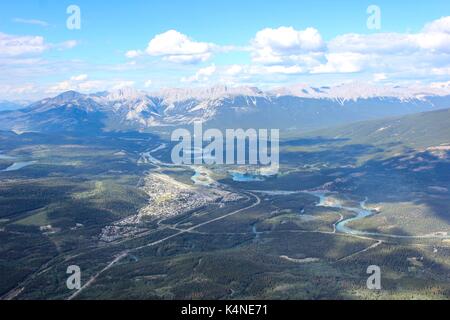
{"x": 423, "y": 130}
{"x": 12, "y": 105}
{"x": 70, "y": 111}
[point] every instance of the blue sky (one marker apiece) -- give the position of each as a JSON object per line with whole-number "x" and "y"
{"x": 199, "y": 42}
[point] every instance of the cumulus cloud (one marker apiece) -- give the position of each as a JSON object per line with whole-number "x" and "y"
{"x": 439, "y": 25}
{"x": 285, "y": 50}
{"x": 277, "y": 55}
{"x": 234, "y": 70}
{"x": 201, "y": 75}
{"x": 342, "y": 62}
{"x": 434, "y": 41}
{"x": 285, "y": 44}
{"x": 176, "y": 47}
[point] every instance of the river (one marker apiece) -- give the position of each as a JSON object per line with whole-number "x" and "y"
{"x": 361, "y": 212}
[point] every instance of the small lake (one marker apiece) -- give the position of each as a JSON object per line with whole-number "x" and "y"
{"x": 201, "y": 177}
{"x": 245, "y": 177}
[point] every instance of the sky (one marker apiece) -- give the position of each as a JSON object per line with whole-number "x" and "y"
{"x": 51, "y": 46}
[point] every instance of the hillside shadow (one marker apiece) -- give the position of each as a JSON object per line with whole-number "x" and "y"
{"x": 420, "y": 178}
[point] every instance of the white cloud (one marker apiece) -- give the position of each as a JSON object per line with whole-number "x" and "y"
{"x": 90, "y": 85}
{"x": 82, "y": 84}
{"x": 13, "y": 46}
{"x": 277, "y": 55}
{"x": 122, "y": 84}
{"x": 441, "y": 71}
{"x": 435, "y": 37}
{"x": 77, "y": 85}
{"x": 439, "y": 25}
{"x": 346, "y": 62}
{"x": 148, "y": 83}
{"x": 379, "y": 77}
{"x": 69, "y": 44}
{"x": 285, "y": 50}
{"x": 440, "y": 85}
{"x": 176, "y": 47}
{"x": 383, "y": 43}
{"x": 62, "y": 86}
{"x": 254, "y": 75}
{"x": 273, "y": 46}
{"x": 81, "y": 77}
{"x": 32, "y": 22}
{"x": 12, "y": 91}
{"x": 201, "y": 75}
{"x": 391, "y": 43}
{"x": 188, "y": 59}
{"x": 434, "y": 41}
{"x": 282, "y": 69}
{"x": 133, "y": 54}
{"x": 18, "y": 47}
{"x": 234, "y": 70}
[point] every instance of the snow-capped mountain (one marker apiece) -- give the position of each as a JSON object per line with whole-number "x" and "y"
{"x": 172, "y": 95}
{"x": 354, "y": 91}
{"x": 299, "y": 107}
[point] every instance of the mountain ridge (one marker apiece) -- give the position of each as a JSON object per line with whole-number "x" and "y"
{"x": 298, "y": 108}
{"x": 422, "y": 130}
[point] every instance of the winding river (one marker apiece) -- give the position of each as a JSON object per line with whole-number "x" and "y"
{"x": 201, "y": 177}
{"x": 361, "y": 212}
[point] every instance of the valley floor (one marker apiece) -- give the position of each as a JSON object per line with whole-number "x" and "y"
{"x": 140, "y": 228}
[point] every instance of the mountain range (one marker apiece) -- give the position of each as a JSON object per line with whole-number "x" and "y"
{"x": 12, "y": 105}
{"x": 298, "y": 108}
